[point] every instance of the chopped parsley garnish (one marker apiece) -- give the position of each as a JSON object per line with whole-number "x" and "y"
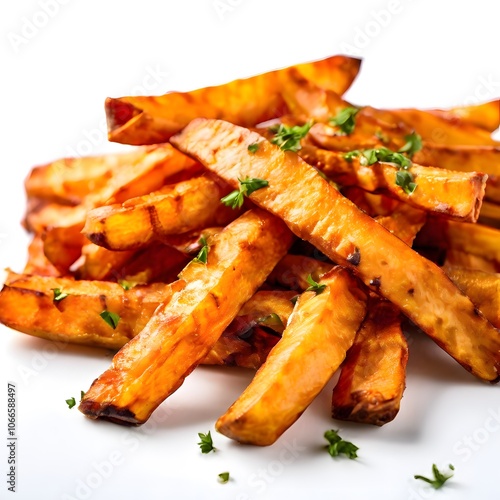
{"x": 203, "y": 253}
{"x": 315, "y": 286}
{"x": 247, "y": 187}
{"x": 412, "y": 145}
{"x": 404, "y": 178}
{"x": 71, "y": 402}
{"x": 288, "y": 138}
{"x": 58, "y": 294}
{"x": 439, "y": 477}
{"x": 126, "y": 285}
{"x": 223, "y": 477}
{"x": 345, "y": 120}
{"x": 206, "y": 444}
{"x": 253, "y": 148}
{"x": 110, "y": 318}
{"x": 405, "y": 181}
{"x": 270, "y": 320}
{"x": 337, "y": 445}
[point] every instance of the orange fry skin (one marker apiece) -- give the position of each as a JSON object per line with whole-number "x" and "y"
{"x": 181, "y": 333}
{"x": 149, "y": 120}
{"x": 315, "y": 211}
{"x": 314, "y": 344}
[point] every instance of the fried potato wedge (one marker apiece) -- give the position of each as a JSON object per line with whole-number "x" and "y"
{"x": 27, "y": 304}
{"x": 315, "y": 211}
{"x": 457, "y": 195}
{"x": 149, "y": 120}
{"x": 314, "y": 344}
{"x": 181, "y": 333}
{"x": 177, "y": 208}
{"x": 372, "y": 378}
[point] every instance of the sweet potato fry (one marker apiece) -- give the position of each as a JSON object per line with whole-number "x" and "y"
{"x": 465, "y": 260}
{"x": 454, "y": 194}
{"x": 27, "y": 305}
{"x": 149, "y": 120}
{"x": 372, "y": 379}
{"x": 318, "y": 213}
{"x": 176, "y": 208}
{"x": 314, "y": 344}
{"x": 100, "y": 263}
{"x": 37, "y": 263}
{"x": 181, "y": 333}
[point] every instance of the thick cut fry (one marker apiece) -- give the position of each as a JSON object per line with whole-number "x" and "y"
{"x": 482, "y": 287}
{"x": 100, "y": 263}
{"x": 27, "y": 305}
{"x": 181, "y": 333}
{"x": 454, "y": 194}
{"x": 372, "y": 379}
{"x": 405, "y": 222}
{"x": 466, "y": 260}
{"x": 314, "y": 344}
{"x": 149, "y": 120}
{"x": 177, "y": 208}
{"x": 151, "y": 167}
{"x": 317, "y": 212}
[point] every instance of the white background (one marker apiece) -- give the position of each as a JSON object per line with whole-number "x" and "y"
{"x": 56, "y": 71}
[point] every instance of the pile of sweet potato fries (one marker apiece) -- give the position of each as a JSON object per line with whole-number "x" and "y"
{"x": 269, "y": 224}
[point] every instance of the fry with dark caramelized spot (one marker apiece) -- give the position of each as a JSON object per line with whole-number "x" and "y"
{"x": 372, "y": 380}
{"x": 315, "y": 211}
{"x": 314, "y": 344}
{"x": 181, "y": 333}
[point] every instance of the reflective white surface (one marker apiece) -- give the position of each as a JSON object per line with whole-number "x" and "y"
{"x": 59, "y": 64}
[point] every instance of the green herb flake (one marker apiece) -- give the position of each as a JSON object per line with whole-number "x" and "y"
{"x": 412, "y": 145}
{"x": 206, "y": 444}
{"x": 203, "y": 253}
{"x": 345, "y": 120}
{"x": 439, "y": 477}
{"x": 338, "y": 446}
{"x": 270, "y": 320}
{"x": 126, "y": 285}
{"x": 223, "y": 477}
{"x": 288, "y": 138}
{"x": 351, "y": 154}
{"x": 253, "y": 148}
{"x": 111, "y": 318}
{"x": 247, "y": 187}
{"x": 315, "y": 287}
{"x": 59, "y": 294}
{"x": 404, "y": 180}
{"x": 71, "y": 402}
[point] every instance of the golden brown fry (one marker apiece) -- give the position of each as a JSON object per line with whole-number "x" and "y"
{"x": 490, "y": 214}
{"x": 181, "y": 333}
{"x": 177, "y": 208}
{"x": 100, "y": 263}
{"x": 372, "y": 380}
{"x": 149, "y": 120}
{"x": 27, "y": 305}
{"x": 318, "y": 213}
{"x": 147, "y": 172}
{"x": 466, "y": 260}
{"x": 482, "y": 287}
{"x": 454, "y": 194}
{"x": 314, "y": 344}
{"x": 404, "y": 222}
